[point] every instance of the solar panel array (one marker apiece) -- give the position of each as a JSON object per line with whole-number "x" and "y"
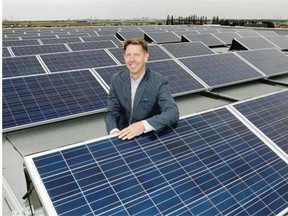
{"x": 208, "y": 39}
{"x": 51, "y": 50}
{"x": 210, "y": 164}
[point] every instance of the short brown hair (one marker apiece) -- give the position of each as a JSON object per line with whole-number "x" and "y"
{"x": 136, "y": 41}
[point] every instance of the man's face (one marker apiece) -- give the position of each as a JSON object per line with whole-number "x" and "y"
{"x": 135, "y": 59}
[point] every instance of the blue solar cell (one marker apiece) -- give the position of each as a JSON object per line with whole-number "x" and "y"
{"x": 36, "y": 99}
{"x": 5, "y": 52}
{"x": 168, "y": 172}
{"x": 270, "y": 115}
{"x": 38, "y": 49}
{"x": 91, "y": 45}
{"x": 77, "y": 60}
{"x": 21, "y": 66}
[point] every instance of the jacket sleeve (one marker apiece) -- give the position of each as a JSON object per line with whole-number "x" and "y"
{"x": 169, "y": 115}
{"x": 112, "y": 112}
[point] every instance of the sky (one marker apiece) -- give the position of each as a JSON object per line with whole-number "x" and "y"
{"x": 16, "y": 10}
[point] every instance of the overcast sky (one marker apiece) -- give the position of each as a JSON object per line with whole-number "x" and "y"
{"x": 128, "y": 9}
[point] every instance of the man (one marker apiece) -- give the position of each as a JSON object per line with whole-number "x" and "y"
{"x": 139, "y": 100}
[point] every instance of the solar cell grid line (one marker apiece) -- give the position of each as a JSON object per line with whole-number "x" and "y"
{"x": 38, "y": 49}
{"x": 269, "y": 114}
{"x": 21, "y": 66}
{"x": 155, "y": 53}
{"x": 272, "y": 62}
{"x": 210, "y": 164}
{"x": 91, "y": 45}
{"x": 5, "y": 52}
{"x": 77, "y": 60}
{"x": 40, "y": 99}
{"x": 185, "y": 49}
{"x": 221, "y": 69}
{"x": 208, "y": 39}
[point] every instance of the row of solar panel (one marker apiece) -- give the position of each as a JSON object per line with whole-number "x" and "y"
{"x": 212, "y": 163}
{"x": 210, "y": 39}
{"x": 31, "y": 100}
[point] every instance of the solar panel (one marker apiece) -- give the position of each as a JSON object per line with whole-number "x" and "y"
{"x": 21, "y": 66}
{"x": 11, "y": 43}
{"x": 91, "y": 45}
{"x": 251, "y": 43}
{"x": 208, "y": 39}
{"x": 227, "y": 37}
{"x": 155, "y": 53}
{"x": 185, "y": 49}
{"x": 247, "y": 34}
{"x": 38, "y": 49}
{"x": 184, "y": 32}
{"x": 60, "y": 40}
{"x": 267, "y": 33}
{"x": 211, "y": 164}
{"x": 270, "y": 61}
{"x": 124, "y": 35}
{"x": 221, "y": 69}
{"x": 270, "y": 115}
{"x": 161, "y": 37}
{"x": 32, "y": 100}
{"x": 103, "y": 37}
{"x": 77, "y": 60}
{"x": 280, "y": 41}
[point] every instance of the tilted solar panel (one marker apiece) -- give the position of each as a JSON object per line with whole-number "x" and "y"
{"x": 211, "y": 164}
{"x": 270, "y": 115}
{"x": 270, "y": 61}
{"x": 77, "y": 60}
{"x": 161, "y": 37}
{"x": 227, "y": 37}
{"x": 39, "y": 49}
{"x": 280, "y": 41}
{"x": 11, "y": 43}
{"x": 103, "y": 37}
{"x": 221, "y": 69}
{"x": 21, "y": 66}
{"x": 5, "y": 52}
{"x": 60, "y": 40}
{"x": 208, "y": 39}
{"x": 40, "y": 99}
{"x": 185, "y": 49}
{"x": 252, "y": 43}
{"x": 124, "y": 35}
{"x": 91, "y": 45}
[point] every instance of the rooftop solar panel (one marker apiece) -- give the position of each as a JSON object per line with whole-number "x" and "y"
{"x": 91, "y": 45}
{"x": 246, "y": 34}
{"x": 161, "y": 37}
{"x": 21, "y": 66}
{"x": 251, "y": 43}
{"x": 211, "y": 164}
{"x": 155, "y": 53}
{"x": 185, "y": 49}
{"x": 38, "y": 49}
{"x": 208, "y": 39}
{"x": 103, "y": 37}
{"x": 270, "y": 115}
{"x": 61, "y": 40}
{"x": 221, "y": 69}
{"x": 11, "y": 43}
{"x": 32, "y": 100}
{"x": 183, "y": 32}
{"x": 227, "y": 37}
{"x": 280, "y": 41}
{"x": 77, "y": 60}
{"x": 270, "y": 61}
{"x": 124, "y": 35}
{"x": 265, "y": 33}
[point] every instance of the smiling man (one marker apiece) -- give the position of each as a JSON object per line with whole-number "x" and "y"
{"x": 139, "y": 99}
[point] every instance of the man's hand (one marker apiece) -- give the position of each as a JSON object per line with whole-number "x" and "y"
{"x": 132, "y": 131}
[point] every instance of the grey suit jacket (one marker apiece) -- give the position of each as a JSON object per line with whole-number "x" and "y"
{"x": 153, "y": 102}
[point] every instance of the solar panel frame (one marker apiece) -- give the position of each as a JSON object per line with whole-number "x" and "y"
{"x": 231, "y": 171}
{"x": 77, "y": 60}
{"x": 271, "y": 62}
{"x": 219, "y": 70}
{"x": 251, "y": 43}
{"x": 41, "y": 99}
